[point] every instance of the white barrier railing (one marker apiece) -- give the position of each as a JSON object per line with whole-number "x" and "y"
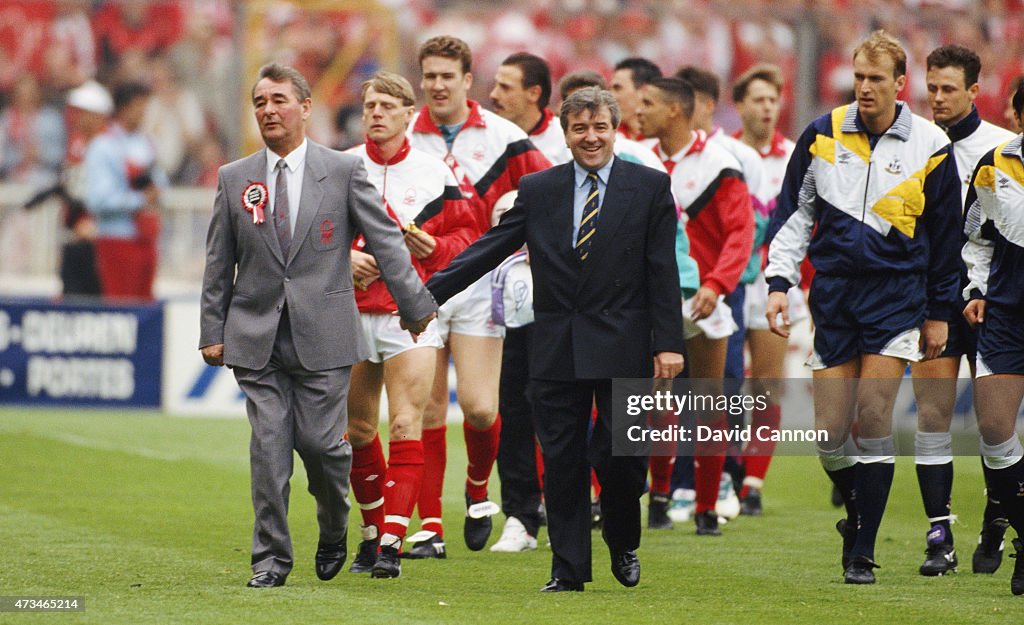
{"x": 30, "y": 241}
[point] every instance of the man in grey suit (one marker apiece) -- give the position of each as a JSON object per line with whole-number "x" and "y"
{"x": 278, "y": 308}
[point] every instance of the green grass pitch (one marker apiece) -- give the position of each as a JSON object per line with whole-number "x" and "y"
{"x": 148, "y": 518}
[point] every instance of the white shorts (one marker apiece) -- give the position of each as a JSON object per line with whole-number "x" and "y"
{"x": 469, "y": 313}
{"x": 387, "y": 339}
{"x": 757, "y": 303}
{"x": 718, "y": 325}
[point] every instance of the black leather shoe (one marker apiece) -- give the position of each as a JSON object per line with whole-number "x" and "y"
{"x": 657, "y": 511}
{"x": 626, "y": 567}
{"x": 558, "y": 585}
{"x": 266, "y": 579}
{"x": 1017, "y": 578}
{"x": 366, "y": 556}
{"x": 860, "y": 571}
{"x": 707, "y": 523}
{"x": 388, "y": 565}
{"x": 477, "y": 529}
{"x": 329, "y": 559}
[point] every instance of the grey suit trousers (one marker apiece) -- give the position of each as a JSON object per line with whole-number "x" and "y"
{"x": 290, "y": 408}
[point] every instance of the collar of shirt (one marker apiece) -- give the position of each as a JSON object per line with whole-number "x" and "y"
{"x": 602, "y": 174}
{"x": 963, "y": 128}
{"x": 293, "y": 160}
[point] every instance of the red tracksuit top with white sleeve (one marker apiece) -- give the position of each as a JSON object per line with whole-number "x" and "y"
{"x": 709, "y": 188}
{"x": 488, "y": 157}
{"x": 416, "y": 187}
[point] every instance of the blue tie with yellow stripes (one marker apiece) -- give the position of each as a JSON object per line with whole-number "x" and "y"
{"x": 588, "y": 224}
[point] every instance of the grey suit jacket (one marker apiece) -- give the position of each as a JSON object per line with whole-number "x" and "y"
{"x": 247, "y": 281}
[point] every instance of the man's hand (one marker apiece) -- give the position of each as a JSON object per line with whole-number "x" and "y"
{"x": 703, "y": 303}
{"x": 974, "y": 313}
{"x": 933, "y": 338}
{"x": 416, "y": 328}
{"x": 213, "y": 354}
{"x": 364, "y": 268}
{"x": 778, "y": 303}
{"x": 419, "y": 243}
{"x": 667, "y": 365}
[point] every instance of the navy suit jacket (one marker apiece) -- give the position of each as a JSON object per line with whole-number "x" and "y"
{"x": 601, "y": 318}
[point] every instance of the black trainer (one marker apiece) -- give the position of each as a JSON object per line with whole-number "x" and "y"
{"x": 1017, "y": 579}
{"x": 859, "y": 571}
{"x": 849, "y": 533}
{"x": 366, "y": 556}
{"x": 387, "y": 566}
{"x": 477, "y": 529}
{"x": 431, "y": 546}
{"x": 940, "y": 557}
{"x": 707, "y": 523}
{"x": 988, "y": 555}
{"x": 751, "y": 504}
{"x": 657, "y": 511}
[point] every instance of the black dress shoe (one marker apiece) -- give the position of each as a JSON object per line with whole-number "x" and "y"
{"x": 626, "y": 567}
{"x": 266, "y": 579}
{"x": 329, "y": 560}
{"x": 558, "y": 585}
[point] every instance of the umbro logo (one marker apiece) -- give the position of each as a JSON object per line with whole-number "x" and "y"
{"x": 844, "y": 157}
{"x": 1004, "y": 182}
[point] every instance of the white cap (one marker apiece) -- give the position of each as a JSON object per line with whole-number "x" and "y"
{"x": 91, "y": 96}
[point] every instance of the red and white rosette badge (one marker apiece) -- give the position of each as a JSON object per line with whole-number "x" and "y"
{"x": 254, "y": 200}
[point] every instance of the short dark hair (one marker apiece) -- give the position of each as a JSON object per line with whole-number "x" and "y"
{"x": 447, "y": 47}
{"x": 767, "y": 72}
{"x": 536, "y": 73}
{"x": 957, "y": 56}
{"x": 574, "y": 81}
{"x": 590, "y": 99}
{"x": 277, "y": 72}
{"x": 126, "y": 92}
{"x": 641, "y": 70}
{"x": 1017, "y": 101}
{"x": 702, "y": 80}
{"x": 677, "y": 90}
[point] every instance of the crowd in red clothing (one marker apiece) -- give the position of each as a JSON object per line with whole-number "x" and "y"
{"x": 186, "y": 50}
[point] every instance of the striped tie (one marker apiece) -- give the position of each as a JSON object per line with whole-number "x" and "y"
{"x": 588, "y": 224}
{"x": 281, "y": 212}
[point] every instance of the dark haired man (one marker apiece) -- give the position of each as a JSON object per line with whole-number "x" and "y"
{"x": 488, "y": 156}
{"x": 994, "y": 255}
{"x": 629, "y": 75}
{"x": 952, "y": 82}
{"x": 601, "y": 234}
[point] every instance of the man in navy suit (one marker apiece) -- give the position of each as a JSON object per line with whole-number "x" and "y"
{"x": 601, "y": 236}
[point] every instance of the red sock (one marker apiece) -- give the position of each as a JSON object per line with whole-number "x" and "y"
{"x": 402, "y": 487}
{"x": 707, "y": 468}
{"x": 594, "y": 483}
{"x": 435, "y": 457}
{"x": 758, "y": 454}
{"x": 482, "y": 450}
{"x": 663, "y": 454}
{"x": 367, "y": 477}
